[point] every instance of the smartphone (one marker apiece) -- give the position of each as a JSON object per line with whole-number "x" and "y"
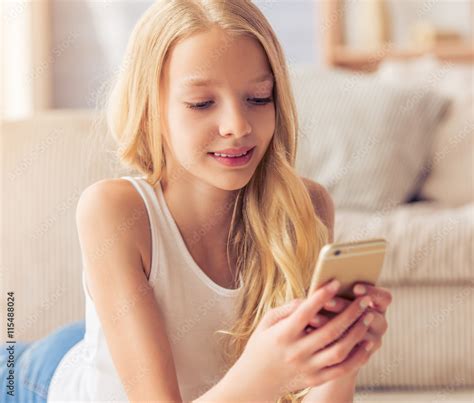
{"x": 350, "y": 263}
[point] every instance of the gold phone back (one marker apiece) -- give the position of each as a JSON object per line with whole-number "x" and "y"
{"x": 356, "y": 262}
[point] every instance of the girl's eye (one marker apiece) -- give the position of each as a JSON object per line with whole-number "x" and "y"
{"x": 262, "y": 101}
{"x": 206, "y": 104}
{"x": 199, "y": 105}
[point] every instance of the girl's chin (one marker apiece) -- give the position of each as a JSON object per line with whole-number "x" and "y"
{"x": 229, "y": 185}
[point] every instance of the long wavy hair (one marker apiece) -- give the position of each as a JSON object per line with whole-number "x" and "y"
{"x": 275, "y": 233}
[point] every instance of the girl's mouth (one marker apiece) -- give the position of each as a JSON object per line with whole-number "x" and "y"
{"x": 233, "y": 161}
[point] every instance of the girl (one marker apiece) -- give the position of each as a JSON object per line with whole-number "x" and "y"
{"x": 195, "y": 271}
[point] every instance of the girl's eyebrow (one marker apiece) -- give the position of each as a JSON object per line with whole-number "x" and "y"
{"x": 200, "y": 82}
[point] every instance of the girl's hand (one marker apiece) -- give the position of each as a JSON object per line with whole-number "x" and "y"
{"x": 280, "y": 357}
{"x": 381, "y": 298}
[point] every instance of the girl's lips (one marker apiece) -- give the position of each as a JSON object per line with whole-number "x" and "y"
{"x": 234, "y": 161}
{"x": 234, "y": 151}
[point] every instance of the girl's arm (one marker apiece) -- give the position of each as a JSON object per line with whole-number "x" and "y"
{"x": 340, "y": 390}
{"x": 128, "y": 311}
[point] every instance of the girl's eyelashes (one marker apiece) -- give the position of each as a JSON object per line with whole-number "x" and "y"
{"x": 199, "y": 105}
{"x": 263, "y": 101}
{"x": 206, "y": 104}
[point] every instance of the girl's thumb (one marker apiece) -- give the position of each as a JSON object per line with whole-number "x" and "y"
{"x": 281, "y": 312}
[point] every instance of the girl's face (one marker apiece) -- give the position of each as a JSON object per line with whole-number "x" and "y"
{"x": 218, "y": 94}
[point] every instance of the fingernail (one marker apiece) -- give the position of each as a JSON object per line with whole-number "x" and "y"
{"x": 369, "y": 346}
{"x": 334, "y": 285}
{"x": 331, "y": 303}
{"x": 364, "y": 303}
{"x": 368, "y": 319}
{"x": 359, "y": 289}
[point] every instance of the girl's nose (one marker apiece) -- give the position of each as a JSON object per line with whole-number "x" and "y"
{"x": 234, "y": 121}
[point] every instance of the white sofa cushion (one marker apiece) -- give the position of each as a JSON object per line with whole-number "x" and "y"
{"x": 365, "y": 141}
{"x": 450, "y": 169}
{"x": 427, "y": 242}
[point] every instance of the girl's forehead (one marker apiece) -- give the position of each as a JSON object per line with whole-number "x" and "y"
{"x": 210, "y": 57}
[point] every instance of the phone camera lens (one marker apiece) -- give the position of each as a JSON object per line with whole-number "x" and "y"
{"x": 337, "y": 252}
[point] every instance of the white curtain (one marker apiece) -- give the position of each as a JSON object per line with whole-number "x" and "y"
{"x": 26, "y": 57}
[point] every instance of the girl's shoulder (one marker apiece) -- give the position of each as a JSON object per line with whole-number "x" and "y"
{"x": 322, "y": 202}
{"x": 118, "y": 201}
{"x": 119, "y": 191}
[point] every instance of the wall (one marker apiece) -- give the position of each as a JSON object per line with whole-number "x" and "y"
{"x": 89, "y": 36}
{"x": 92, "y": 36}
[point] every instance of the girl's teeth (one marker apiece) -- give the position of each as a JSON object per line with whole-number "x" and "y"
{"x": 231, "y": 156}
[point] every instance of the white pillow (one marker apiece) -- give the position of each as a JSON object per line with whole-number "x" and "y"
{"x": 365, "y": 141}
{"x": 449, "y": 171}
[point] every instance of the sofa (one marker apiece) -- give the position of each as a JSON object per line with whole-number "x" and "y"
{"x": 49, "y": 158}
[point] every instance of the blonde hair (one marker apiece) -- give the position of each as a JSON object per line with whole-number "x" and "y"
{"x": 275, "y": 232}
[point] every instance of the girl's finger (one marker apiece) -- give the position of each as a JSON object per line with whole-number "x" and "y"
{"x": 381, "y": 297}
{"x": 318, "y": 321}
{"x": 279, "y": 313}
{"x": 356, "y": 359}
{"x": 340, "y": 350}
{"x": 379, "y": 325}
{"x": 335, "y": 329}
{"x": 337, "y": 304}
{"x": 369, "y": 336}
{"x": 307, "y": 310}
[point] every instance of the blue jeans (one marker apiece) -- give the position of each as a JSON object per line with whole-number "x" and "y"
{"x": 35, "y": 363}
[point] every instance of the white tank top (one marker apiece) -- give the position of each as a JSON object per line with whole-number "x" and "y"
{"x": 193, "y": 306}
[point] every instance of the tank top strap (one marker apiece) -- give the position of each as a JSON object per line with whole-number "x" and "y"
{"x": 146, "y": 192}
